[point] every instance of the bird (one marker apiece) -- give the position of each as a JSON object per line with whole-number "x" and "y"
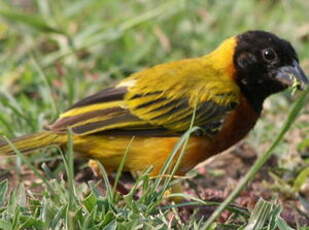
{"x": 145, "y": 115}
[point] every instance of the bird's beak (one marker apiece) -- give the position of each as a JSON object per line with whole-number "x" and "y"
{"x": 292, "y": 75}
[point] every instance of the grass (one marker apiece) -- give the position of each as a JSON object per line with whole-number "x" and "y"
{"x": 55, "y": 52}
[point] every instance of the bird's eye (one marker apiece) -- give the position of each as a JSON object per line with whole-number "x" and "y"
{"x": 269, "y": 55}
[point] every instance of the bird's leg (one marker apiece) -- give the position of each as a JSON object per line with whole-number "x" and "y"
{"x": 175, "y": 188}
{"x": 93, "y": 164}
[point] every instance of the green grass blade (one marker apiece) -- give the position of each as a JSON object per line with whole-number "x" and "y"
{"x": 3, "y": 191}
{"x": 121, "y": 165}
{"x": 260, "y": 215}
{"x": 34, "y": 21}
{"x": 68, "y": 159}
{"x": 282, "y": 225}
{"x": 109, "y": 189}
{"x": 197, "y": 201}
{"x": 48, "y": 88}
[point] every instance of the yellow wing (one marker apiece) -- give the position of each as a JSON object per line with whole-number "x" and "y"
{"x": 159, "y": 101}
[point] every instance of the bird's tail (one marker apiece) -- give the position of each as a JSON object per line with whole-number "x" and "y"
{"x": 31, "y": 142}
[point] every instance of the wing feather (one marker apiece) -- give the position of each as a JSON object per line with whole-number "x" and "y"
{"x": 150, "y": 107}
{"x": 105, "y": 95}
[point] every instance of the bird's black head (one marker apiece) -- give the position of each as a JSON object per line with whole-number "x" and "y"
{"x": 265, "y": 64}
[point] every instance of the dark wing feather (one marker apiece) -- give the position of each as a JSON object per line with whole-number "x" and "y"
{"x": 176, "y": 114}
{"x": 120, "y": 119}
{"x": 94, "y": 112}
{"x": 105, "y": 95}
{"x": 69, "y": 121}
{"x": 156, "y": 115}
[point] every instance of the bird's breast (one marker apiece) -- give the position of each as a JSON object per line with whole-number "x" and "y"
{"x": 235, "y": 127}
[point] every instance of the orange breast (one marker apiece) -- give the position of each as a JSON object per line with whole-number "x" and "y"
{"x": 236, "y": 126}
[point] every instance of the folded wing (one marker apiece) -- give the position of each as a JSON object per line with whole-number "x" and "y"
{"x": 149, "y": 108}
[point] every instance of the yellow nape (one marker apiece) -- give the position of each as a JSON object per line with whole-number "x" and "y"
{"x": 222, "y": 57}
